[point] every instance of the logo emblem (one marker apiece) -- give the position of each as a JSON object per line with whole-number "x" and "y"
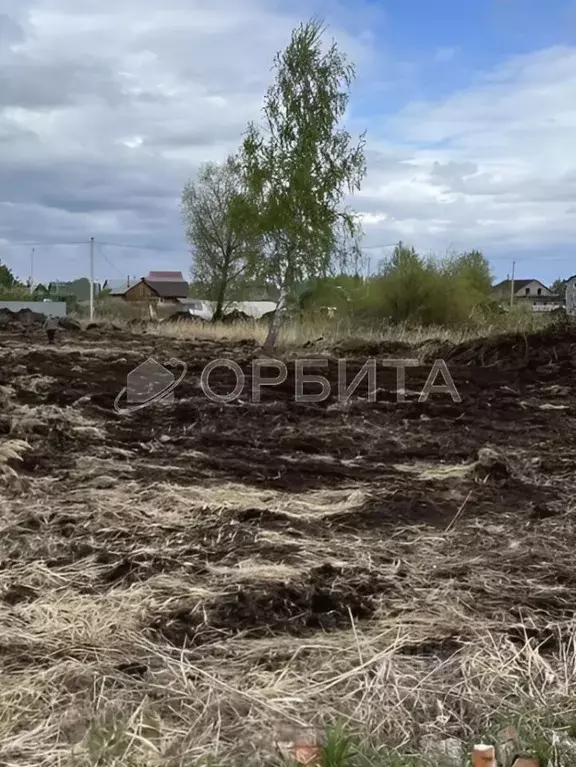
{"x": 149, "y": 384}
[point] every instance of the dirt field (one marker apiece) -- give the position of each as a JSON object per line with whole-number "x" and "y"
{"x": 199, "y": 579}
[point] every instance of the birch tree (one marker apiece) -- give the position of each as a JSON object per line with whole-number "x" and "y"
{"x": 299, "y": 164}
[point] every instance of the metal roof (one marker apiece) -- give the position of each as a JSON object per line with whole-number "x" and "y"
{"x": 168, "y": 288}
{"x": 165, "y": 277}
{"x": 518, "y": 284}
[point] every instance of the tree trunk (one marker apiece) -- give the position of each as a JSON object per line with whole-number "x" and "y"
{"x": 225, "y": 279}
{"x": 272, "y": 337}
{"x": 217, "y": 316}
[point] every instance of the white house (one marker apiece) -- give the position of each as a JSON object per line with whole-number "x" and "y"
{"x": 530, "y": 292}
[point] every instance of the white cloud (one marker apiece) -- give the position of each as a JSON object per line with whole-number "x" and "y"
{"x": 446, "y": 54}
{"x": 108, "y": 106}
{"x": 494, "y": 162}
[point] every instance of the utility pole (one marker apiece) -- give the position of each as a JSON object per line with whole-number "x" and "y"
{"x": 512, "y": 285}
{"x": 91, "y": 279}
{"x": 32, "y": 271}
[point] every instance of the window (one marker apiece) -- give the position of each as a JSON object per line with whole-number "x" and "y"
{"x": 526, "y": 291}
{"x": 539, "y": 291}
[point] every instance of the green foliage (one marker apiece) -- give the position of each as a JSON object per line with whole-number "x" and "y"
{"x": 338, "y": 748}
{"x": 558, "y": 288}
{"x": 344, "y": 293}
{"x": 224, "y": 243}
{"x": 428, "y": 291}
{"x": 299, "y": 164}
{"x": 474, "y": 269}
{"x": 7, "y": 279}
{"x": 409, "y": 289}
{"x": 16, "y": 293}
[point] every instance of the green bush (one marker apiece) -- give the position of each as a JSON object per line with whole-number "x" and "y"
{"x": 452, "y": 291}
{"x": 18, "y": 293}
{"x": 411, "y": 290}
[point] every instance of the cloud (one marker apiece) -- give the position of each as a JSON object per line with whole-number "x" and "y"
{"x": 446, "y": 54}
{"x": 107, "y": 107}
{"x": 490, "y": 166}
{"x": 51, "y": 84}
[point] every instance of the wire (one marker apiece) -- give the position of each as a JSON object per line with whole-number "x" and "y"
{"x": 138, "y": 247}
{"x": 378, "y": 246}
{"x": 43, "y": 244}
{"x": 105, "y": 257}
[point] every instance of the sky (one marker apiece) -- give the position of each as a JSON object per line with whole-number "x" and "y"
{"x": 108, "y": 107}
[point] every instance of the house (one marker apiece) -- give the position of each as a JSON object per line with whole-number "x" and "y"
{"x": 527, "y": 292}
{"x": 74, "y": 289}
{"x": 521, "y": 288}
{"x": 158, "y": 288}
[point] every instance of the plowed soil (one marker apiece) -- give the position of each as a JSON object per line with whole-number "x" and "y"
{"x": 216, "y": 560}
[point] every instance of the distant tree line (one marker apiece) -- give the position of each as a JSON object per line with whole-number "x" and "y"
{"x": 558, "y": 288}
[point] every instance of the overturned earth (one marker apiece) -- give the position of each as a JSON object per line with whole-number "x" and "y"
{"x": 265, "y": 560}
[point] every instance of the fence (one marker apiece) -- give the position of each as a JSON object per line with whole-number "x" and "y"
{"x": 55, "y": 308}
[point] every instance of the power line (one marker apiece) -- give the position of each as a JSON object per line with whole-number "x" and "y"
{"x": 159, "y": 249}
{"x": 87, "y": 242}
{"x": 105, "y": 257}
{"x": 42, "y": 244}
{"x": 138, "y": 247}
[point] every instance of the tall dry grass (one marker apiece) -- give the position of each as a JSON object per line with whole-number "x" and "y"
{"x": 295, "y": 333}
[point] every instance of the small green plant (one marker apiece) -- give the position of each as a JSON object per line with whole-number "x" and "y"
{"x": 338, "y": 748}
{"x": 108, "y": 743}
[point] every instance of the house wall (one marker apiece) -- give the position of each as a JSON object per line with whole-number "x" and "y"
{"x": 55, "y": 308}
{"x": 533, "y": 289}
{"x": 140, "y": 292}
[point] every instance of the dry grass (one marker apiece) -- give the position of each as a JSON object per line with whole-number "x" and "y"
{"x": 125, "y": 639}
{"x": 65, "y": 698}
{"x": 296, "y": 333}
{"x": 10, "y": 451}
